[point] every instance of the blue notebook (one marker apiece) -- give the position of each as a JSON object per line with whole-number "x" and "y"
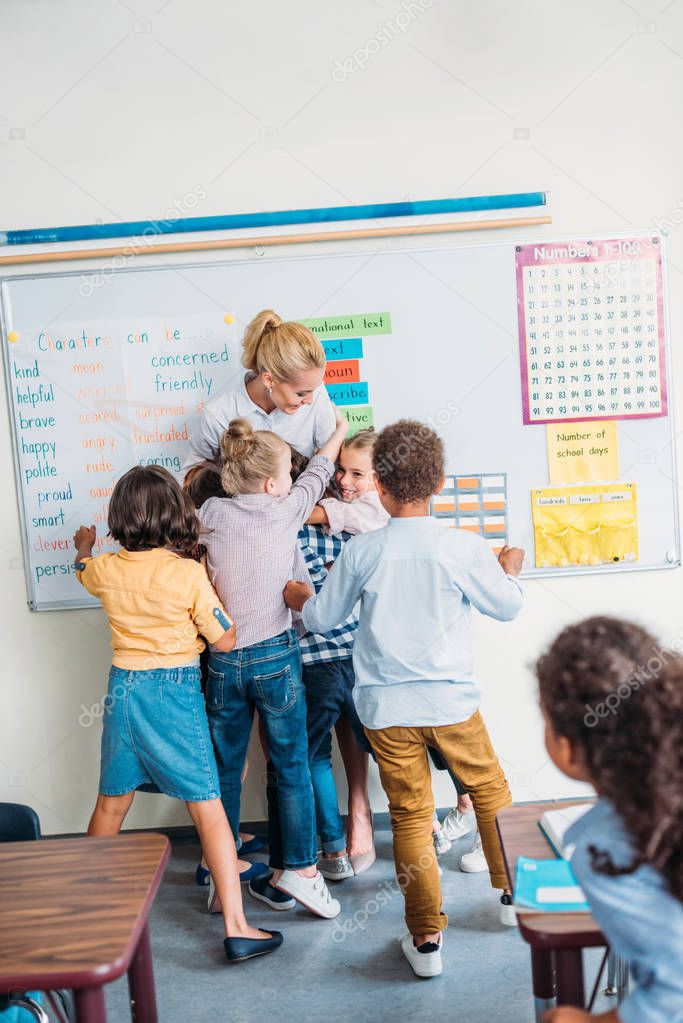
{"x": 548, "y": 886}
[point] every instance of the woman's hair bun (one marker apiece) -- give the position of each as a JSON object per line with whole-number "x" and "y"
{"x": 271, "y": 321}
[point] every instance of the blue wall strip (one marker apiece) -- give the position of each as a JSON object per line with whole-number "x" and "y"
{"x": 233, "y": 221}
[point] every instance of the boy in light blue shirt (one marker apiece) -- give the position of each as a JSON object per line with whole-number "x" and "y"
{"x": 416, "y": 581}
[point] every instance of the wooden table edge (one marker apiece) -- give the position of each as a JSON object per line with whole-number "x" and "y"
{"x": 537, "y": 936}
{"x": 75, "y": 979}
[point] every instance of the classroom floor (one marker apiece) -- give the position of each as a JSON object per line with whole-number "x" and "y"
{"x": 316, "y": 976}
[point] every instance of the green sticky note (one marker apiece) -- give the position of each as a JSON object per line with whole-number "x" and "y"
{"x": 359, "y": 417}
{"x": 358, "y": 325}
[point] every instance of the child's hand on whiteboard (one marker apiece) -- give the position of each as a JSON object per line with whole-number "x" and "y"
{"x": 511, "y": 559}
{"x": 84, "y": 539}
{"x": 296, "y": 594}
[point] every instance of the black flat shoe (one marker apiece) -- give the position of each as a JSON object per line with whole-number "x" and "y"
{"x": 239, "y": 949}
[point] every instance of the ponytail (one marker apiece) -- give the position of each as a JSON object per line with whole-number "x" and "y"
{"x": 283, "y": 349}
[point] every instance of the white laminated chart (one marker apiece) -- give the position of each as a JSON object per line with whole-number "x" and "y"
{"x": 591, "y": 329}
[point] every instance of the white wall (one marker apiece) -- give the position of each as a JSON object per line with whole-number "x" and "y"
{"x": 115, "y": 110}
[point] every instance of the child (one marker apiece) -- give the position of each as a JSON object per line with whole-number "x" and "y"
{"x": 158, "y": 600}
{"x": 612, "y": 700}
{"x": 359, "y": 509}
{"x": 202, "y": 482}
{"x": 415, "y": 682}
{"x": 251, "y": 542}
{"x": 328, "y": 665}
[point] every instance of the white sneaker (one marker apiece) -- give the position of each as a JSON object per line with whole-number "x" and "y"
{"x": 474, "y": 862}
{"x": 508, "y": 917}
{"x": 441, "y": 843}
{"x": 424, "y": 964}
{"x": 456, "y": 824}
{"x": 311, "y": 892}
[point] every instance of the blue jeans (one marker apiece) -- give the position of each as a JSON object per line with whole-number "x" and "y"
{"x": 267, "y": 677}
{"x": 329, "y": 693}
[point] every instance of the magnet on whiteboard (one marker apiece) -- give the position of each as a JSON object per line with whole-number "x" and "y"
{"x": 259, "y": 250}
{"x": 13, "y": 336}
{"x": 229, "y": 318}
{"x": 671, "y": 556}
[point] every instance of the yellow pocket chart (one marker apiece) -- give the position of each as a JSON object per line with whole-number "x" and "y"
{"x": 593, "y": 524}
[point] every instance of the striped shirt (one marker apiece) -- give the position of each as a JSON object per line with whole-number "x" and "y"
{"x": 319, "y": 549}
{"x": 252, "y": 550}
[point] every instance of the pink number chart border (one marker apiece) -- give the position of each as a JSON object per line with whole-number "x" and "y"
{"x": 607, "y": 249}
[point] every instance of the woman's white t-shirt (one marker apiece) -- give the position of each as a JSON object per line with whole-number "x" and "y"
{"x": 307, "y": 429}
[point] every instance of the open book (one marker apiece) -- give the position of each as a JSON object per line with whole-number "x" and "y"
{"x": 555, "y": 823}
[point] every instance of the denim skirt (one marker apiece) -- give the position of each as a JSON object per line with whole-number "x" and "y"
{"x": 155, "y": 734}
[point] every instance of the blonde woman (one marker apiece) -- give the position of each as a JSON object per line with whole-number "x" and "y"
{"x": 282, "y": 390}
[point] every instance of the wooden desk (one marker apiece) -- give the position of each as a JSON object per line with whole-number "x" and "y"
{"x": 74, "y": 915}
{"x": 555, "y": 939}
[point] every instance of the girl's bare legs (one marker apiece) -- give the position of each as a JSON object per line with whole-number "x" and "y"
{"x": 359, "y": 829}
{"x": 218, "y": 847}
{"x": 109, "y": 813}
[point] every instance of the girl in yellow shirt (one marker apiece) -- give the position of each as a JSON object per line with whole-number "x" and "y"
{"x": 159, "y": 603}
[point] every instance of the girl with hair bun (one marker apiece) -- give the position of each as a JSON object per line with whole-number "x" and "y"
{"x": 281, "y": 391}
{"x": 252, "y": 551}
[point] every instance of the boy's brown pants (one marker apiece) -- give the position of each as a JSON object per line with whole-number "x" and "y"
{"x": 404, "y": 771}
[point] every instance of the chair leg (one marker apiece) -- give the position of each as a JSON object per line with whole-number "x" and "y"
{"x": 32, "y": 1006}
{"x": 611, "y": 988}
{"x": 623, "y": 979}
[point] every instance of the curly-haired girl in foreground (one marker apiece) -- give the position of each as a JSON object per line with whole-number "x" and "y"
{"x": 612, "y": 700}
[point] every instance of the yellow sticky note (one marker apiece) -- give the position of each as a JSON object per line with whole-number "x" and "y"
{"x": 596, "y": 524}
{"x": 229, "y": 318}
{"x": 583, "y": 452}
{"x": 12, "y": 336}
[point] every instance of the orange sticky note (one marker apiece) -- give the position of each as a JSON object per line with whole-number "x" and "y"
{"x": 342, "y": 371}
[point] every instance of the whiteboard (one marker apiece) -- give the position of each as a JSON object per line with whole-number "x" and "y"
{"x": 107, "y": 371}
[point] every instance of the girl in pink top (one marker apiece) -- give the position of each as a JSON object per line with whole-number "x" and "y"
{"x": 359, "y": 510}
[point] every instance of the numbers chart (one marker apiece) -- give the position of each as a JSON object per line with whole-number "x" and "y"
{"x": 591, "y": 330}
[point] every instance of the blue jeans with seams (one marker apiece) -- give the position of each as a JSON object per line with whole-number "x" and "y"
{"x": 266, "y": 677}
